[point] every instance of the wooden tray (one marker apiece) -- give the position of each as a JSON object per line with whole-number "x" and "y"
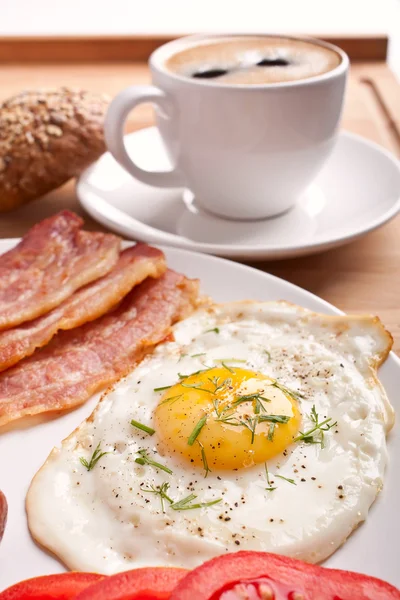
{"x": 360, "y": 277}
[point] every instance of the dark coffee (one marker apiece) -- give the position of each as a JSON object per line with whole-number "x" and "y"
{"x": 253, "y": 60}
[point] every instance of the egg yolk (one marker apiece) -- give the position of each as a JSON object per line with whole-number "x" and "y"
{"x": 227, "y": 418}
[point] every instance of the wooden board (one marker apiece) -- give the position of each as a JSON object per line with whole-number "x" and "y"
{"x": 102, "y": 49}
{"x": 360, "y": 277}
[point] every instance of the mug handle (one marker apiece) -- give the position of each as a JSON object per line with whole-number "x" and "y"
{"x": 116, "y": 116}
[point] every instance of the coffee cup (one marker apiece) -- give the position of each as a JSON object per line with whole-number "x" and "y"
{"x": 247, "y": 121}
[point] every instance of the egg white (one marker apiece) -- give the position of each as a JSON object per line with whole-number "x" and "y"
{"x": 103, "y": 521}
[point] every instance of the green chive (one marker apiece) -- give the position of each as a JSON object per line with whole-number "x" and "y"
{"x": 292, "y": 481}
{"x": 142, "y": 427}
{"x": 204, "y": 459}
{"x": 268, "y": 355}
{"x": 196, "y": 431}
{"x": 271, "y": 432}
{"x": 145, "y": 460}
{"x": 96, "y": 456}
{"x": 274, "y": 418}
{"x": 184, "y": 504}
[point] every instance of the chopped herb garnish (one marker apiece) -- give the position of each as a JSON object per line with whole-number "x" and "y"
{"x": 271, "y": 432}
{"x": 96, "y": 456}
{"x": 199, "y": 354}
{"x": 204, "y": 459}
{"x": 142, "y": 427}
{"x": 225, "y": 360}
{"x": 249, "y": 398}
{"x": 219, "y": 386}
{"x": 172, "y": 399}
{"x": 292, "y": 481}
{"x": 145, "y": 460}
{"x": 274, "y": 418}
{"x": 196, "y": 431}
{"x": 184, "y": 504}
{"x": 269, "y": 488}
{"x": 160, "y": 490}
{"x": 226, "y": 367}
{"x": 268, "y": 355}
{"x": 287, "y": 391}
{"x": 230, "y": 416}
{"x": 214, "y": 330}
{"x": 161, "y": 389}
{"x": 184, "y": 376}
{"x": 229, "y": 420}
{"x": 216, "y": 407}
{"x": 250, "y": 423}
{"x": 196, "y": 386}
{"x": 316, "y": 435}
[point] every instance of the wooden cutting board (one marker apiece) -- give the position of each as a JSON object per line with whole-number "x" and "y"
{"x": 363, "y": 276}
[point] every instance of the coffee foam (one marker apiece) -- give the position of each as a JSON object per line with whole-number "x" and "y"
{"x": 236, "y": 58}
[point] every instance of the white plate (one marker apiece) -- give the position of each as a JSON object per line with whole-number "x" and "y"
{"x": 372, "y": 549}
{"x": 357, "y": 191}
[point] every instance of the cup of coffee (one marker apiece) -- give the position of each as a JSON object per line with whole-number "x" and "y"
{"x": 247, "y": 120}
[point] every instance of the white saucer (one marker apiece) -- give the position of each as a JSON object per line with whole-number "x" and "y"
{"x": 357, "y": 191}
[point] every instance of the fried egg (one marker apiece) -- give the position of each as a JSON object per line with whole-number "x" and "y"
{"x": 260, "y": 426}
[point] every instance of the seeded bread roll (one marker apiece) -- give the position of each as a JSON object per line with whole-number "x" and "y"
{"x": 47, "y": 137}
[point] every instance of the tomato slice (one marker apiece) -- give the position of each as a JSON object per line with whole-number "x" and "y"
{"x": 50, "y": 587}
{"x": 150, "y": 583}
{"x": 3, "y": 513}
{"x": 264, "y": 576}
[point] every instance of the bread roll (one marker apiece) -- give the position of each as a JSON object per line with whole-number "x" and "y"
{"x": 47, "y": 137}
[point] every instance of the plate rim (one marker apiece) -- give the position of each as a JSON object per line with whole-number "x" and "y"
{"x": 154, "y": 235}
{"x": 392, "y": 364}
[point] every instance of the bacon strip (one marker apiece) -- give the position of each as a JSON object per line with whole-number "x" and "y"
{"x": 87, "y": 304}
{"x": 54, "y": 259}
{"x": 80, "y": 362}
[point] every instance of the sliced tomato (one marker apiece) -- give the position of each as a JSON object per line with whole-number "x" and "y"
{"x": 150, "y": 583}
{"x": 50, "y": 587}
{"x": 264, "y": 576}
{"x": 3, "y": 513}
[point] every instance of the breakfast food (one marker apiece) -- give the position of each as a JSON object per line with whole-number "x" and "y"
{"x": 151, "y": 583}
{"x": 54, "y": 259}
{"x": 80, "y": 362}
{"x": 88, "y": 303}
{"x": 239, "y": 576}
{"x": 212, "y": 444}
{"x": 3, "y": 513}
{"x": 252, "y": 60}
{"x": 47, "y": 137}
{"x": 51, "y": 587}
{"x": 264, "y": 576}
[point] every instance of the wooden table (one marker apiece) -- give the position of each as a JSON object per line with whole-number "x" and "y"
{"x": 363, "y": 276}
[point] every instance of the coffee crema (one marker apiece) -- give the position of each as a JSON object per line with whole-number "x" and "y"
{"x": 251, "y": 60}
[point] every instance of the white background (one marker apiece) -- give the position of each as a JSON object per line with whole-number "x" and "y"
{"x": 113, "y": 17}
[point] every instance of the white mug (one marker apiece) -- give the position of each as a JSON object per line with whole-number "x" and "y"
{"x": 245, "y": 151}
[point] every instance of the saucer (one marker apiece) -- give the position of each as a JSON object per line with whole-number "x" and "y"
{"x": 357, "y": 191}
